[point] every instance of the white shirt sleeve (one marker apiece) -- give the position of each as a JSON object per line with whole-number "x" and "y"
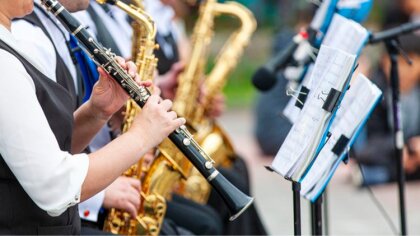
{"x": 51, "y": 177}
{"x": 89, "y": 209}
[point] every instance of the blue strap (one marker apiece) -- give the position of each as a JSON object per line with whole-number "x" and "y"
{"x": 87, "y": 67}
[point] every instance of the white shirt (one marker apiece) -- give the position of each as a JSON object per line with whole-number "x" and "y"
{"x": 58, "y": 40}
{"x": 162, "y": 14}
{"x": 41, "y": 48}
{"x": 51, "y": 177}
{"x": 117, "y": 25}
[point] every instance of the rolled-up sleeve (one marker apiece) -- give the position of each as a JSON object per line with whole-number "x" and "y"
{"x": 51, "y": 177}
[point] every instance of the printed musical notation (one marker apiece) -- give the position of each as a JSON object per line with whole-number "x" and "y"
{"x": 344, "y": 34}
{"x": 353, "y": 112}
{"x": 332, "y": 68}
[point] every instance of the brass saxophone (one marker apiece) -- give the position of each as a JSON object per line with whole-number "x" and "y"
{"x": 158, "y": 178}
{"x": 208, "y": 133}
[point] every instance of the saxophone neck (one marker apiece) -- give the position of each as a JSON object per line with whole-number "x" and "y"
{"x": 230, "y": 54}
{"x": 136, "y": 11}
{"x": 187, "y": 94}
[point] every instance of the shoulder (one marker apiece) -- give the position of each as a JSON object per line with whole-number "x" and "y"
{"x": 13, "y": 70}
{"x": 33, "y": 40}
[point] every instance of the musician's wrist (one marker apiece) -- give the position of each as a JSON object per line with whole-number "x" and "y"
{"x": 96, "y": 113}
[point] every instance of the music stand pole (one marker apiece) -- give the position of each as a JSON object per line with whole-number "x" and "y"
{"x": 296, "y": 208}
{"x": 316, "y": 216}
{"x": 326, "y": 215}
{"x": 393, "y": 50}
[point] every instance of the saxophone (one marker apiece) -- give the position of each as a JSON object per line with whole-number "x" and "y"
{"x": 236, "y": 201}
{"x": 208, "y": 133}
{"x": 157, "y": 178}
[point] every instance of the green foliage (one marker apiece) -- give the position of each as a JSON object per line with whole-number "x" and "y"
{"x": 239, "y": 90}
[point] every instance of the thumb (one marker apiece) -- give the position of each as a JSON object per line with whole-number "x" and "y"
{"x": 103, "y": 76}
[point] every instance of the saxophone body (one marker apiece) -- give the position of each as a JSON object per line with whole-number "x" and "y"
{"x": 236, "y": 201}
{"x": 212, "y": 138}
{"x": 158, "y": 176}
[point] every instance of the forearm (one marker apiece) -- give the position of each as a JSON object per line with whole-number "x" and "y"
{"x": 111, "y": 161}
{"x": 87, "y": 123}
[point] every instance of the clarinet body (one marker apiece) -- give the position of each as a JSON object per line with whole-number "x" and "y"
{"x": 236, "y": 200}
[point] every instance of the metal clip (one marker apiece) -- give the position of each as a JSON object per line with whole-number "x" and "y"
{"x": 290, "y": 92}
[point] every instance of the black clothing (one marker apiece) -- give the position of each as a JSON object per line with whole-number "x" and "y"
{"x": 249, "y": 223}
{"x": 199, "y": 219}
{"x": 19, "y": 214}
{"x": 167, "y": 53}
{"x": 271, "y": 126}
{"x": 378, "y": 150}
{"x": 103, "y": 34}
{"x": 62, "y": 73}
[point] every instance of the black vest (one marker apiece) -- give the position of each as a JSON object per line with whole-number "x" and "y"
{"x": 62, "y": 72}
{"x": 166, "y": 61}
{"x": 18, "y": 213}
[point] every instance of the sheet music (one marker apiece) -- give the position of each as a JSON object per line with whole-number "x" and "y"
{"x": 322, "y": 13}
{"x": 333, "y": 66}
{"x": 346, "y": 35}
{"x": 356, "y": 105}
{"x": 343, "y": 34}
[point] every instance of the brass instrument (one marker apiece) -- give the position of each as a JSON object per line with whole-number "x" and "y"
{"x": 209, "y": 134}
{"x": 157, "y": 177}
{"x": 236, "y": 201}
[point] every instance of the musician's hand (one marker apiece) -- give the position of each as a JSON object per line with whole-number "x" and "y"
{"x": 107, "y": 95}
{"x": 411, "y": 155}
{"x": 169, "y": 81}
{"x": 155, "y": 122}
{"x": 216, "y": 106}
{"x": 123, "y": 194}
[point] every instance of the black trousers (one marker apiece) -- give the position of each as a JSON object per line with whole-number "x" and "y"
{"x": 197, "y": 218}
{"x": 249, "y": 223}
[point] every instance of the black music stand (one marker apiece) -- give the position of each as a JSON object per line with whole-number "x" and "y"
{"x": 297, "y": 223}
{"x": 316, "y": 216}
{"x": 392, "y": 47}
{"x": 390, "y": 38}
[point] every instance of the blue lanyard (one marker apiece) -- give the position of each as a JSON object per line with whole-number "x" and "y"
{"x": 87, "y": 67}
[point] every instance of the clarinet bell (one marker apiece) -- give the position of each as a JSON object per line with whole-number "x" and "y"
{"x": 236, "y": 201}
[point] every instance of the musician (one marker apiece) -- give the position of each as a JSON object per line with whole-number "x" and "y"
{"x": 377, "y": 154}
{"x": 117, "y": 35}
{"x": 42, "y": 176}
{"x": 43, "y": 27}
{"x": 238, "y": 174}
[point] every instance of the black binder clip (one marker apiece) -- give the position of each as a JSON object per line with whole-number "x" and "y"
{"x": 303, "y": 95}
{"x": 269, "y": 168}
{"x": 341, "y": 146}
{"x": 331, "y": 100}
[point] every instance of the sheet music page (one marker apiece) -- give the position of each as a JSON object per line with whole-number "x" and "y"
{"x": 356, "y": 105}
{"x": 346, "y": 35}
{"x": 321, "y": 13}
{"x": 333, "y": 66}
{"x": 343, "y": 34}
{"x": 339, "y": 68}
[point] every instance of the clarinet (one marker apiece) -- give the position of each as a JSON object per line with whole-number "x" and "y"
{"x": 236, "y": 201}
